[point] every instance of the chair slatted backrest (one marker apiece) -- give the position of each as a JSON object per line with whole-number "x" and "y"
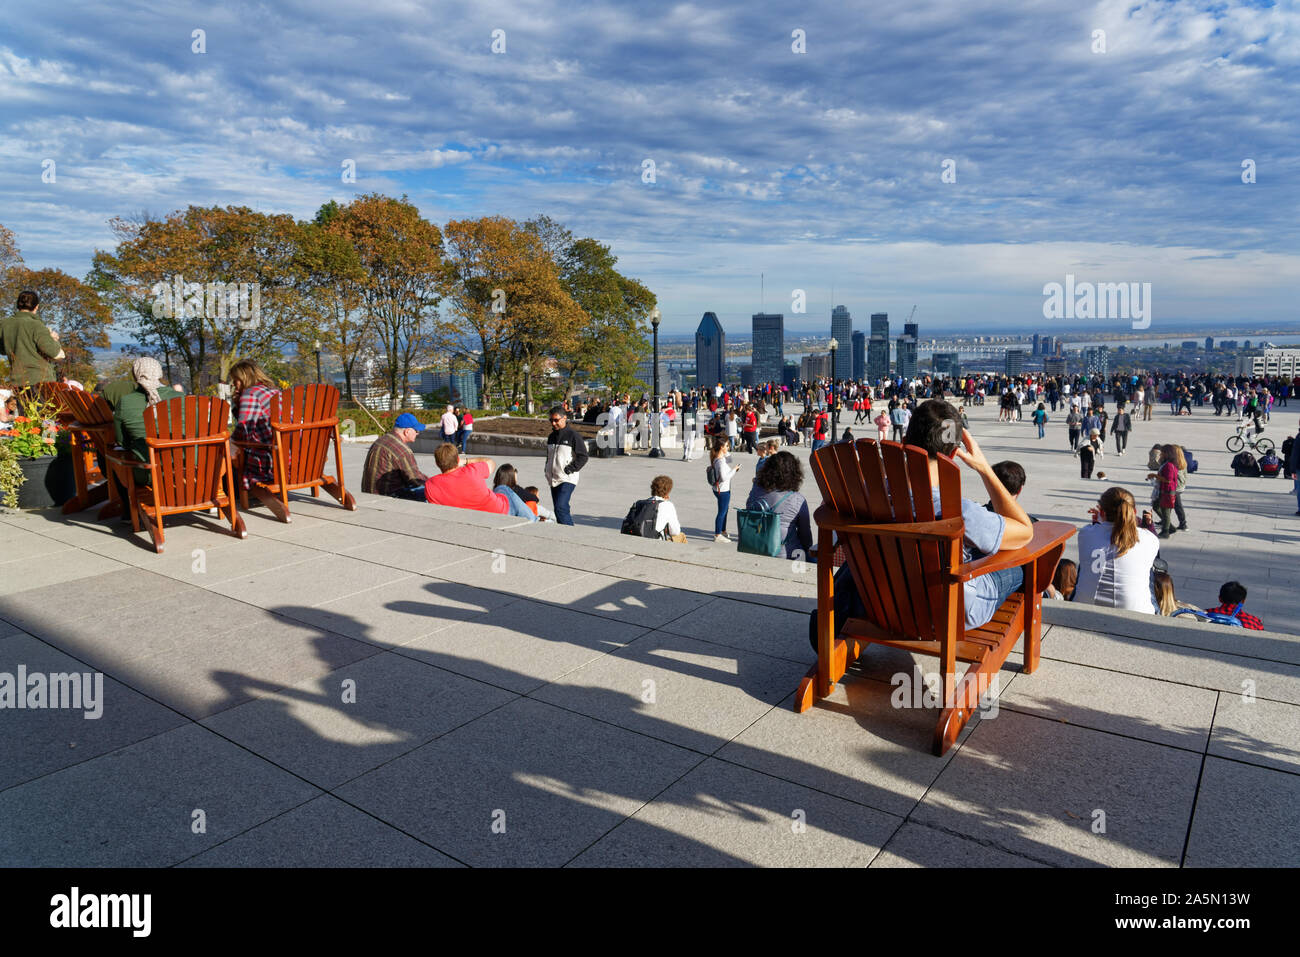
{"x": 901, "y": 580}
{"x": 87, "y": 408}
{"x": 187, "y": 436}
{"x": 304, "y": 419}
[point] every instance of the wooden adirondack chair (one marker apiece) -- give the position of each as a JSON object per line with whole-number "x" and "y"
{"x": 304, "y": 420}
{"x": 91, "y": 433}
{"x": 907, "y": 566}
{"x": 189, "y": 465}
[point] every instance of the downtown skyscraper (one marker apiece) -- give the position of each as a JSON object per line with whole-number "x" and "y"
{"x": 769, "y": 346}
{"x": 878, "y": 347}
{"x": 710, "y": 352}
{"x": 842, "y": 332}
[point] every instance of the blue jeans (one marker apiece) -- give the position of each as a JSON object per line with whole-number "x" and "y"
{"x": 724, "y": 505}
{"x": 413, "y": 492}
{"x": 817, "y": 444}
{"x": 517, "y": 506}
{"x": 560, "y": 495}
{"x": 1041, "y": 430}
{"x": 464, "y": 435}
{"x": 1296, "y": 480}
{"x": 985, "y": 594}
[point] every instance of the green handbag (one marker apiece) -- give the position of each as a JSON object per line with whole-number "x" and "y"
{"x": 760, "y": 528}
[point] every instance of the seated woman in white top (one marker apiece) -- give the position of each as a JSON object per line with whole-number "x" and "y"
{"x": 666, "y": 523}
{"x": 1116, "y": 556}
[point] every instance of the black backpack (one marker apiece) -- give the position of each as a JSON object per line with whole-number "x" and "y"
{"x": 1245, "y": 465}
{"x": 641, "y": 518}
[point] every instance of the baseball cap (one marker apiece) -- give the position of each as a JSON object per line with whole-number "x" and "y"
{"x": 408, "y": 421}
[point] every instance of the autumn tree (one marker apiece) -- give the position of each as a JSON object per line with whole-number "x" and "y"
{"x": 506, "y": 297}
{"x": 232, "y": 246}
{"x": 333, "y": 283}
{"x": 401, "y": 254}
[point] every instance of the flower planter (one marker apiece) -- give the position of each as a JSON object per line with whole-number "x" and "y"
{"x": 50, "y": 481}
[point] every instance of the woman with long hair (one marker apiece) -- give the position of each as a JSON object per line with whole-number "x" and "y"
{"x": 1166, "y": 601}
{"x": 252, "y": 391}
{"x": 506, "y": 480}
{"x": 723, "y": 471}
{"x": 1116, "y": 556}
{"x": 1166, "y": 492}
{"x": 776, "y": 486}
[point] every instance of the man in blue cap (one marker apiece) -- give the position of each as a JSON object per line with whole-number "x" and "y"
{"x": 390, "y": 463}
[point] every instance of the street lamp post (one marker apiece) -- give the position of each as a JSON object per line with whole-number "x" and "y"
{"x": 317, "y": 360}
{"x": 655, "y": 450}
{"x": 528, "y": 391}
{"x": 835, "y": 405}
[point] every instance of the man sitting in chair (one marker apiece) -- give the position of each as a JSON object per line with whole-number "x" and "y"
{"x": 934, "y": 427}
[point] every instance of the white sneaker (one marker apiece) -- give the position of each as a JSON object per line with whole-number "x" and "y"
{"x": 721, "y": 538}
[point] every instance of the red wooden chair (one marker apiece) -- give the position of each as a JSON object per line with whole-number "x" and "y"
{"x": 91, "y": 438}
{"x": 907, "y": 566}
{"x": 304, "y": 420}
{"x": 189, "y": 465}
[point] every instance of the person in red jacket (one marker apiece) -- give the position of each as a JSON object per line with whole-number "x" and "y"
{"x": 749, "y": 429}
{"x": 1232, "y": 595}
{"x": 820, "y": 425}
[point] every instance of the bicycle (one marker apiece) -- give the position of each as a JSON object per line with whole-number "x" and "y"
{"x": 1257, "y": 443}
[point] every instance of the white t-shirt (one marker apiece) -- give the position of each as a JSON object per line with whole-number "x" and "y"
{"x": 722, "y": 464}
{"x": 1123, "y": 582}
{"x": 666, "y": 518}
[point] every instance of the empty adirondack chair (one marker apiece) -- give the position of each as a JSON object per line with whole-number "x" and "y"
{"x": 304, "y": 420}
{"x": 907, "y": 566}
{"x": 189, "y": 465}
{"x": 91, "y": 434}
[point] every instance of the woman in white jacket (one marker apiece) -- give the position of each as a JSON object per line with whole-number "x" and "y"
{"x": 723, "y": 471}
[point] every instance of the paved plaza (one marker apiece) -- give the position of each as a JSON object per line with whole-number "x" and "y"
{"x": 408, "y": 685}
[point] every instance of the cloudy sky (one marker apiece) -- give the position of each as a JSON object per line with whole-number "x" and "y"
{"x": 822, "y": 169}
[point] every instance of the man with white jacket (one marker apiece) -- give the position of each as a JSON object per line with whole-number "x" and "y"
{"x": 566, "y": 454}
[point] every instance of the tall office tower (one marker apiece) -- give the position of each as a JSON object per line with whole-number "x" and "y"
{"x": 1047, "y": 346}
{"x": 877, "y": 358}
{"x": 912, "y": 329}
{"x": 859, "y": 355}
{"x": 815, "y": 367}
{"x": 1037, "y": 344}
{"x": 1209, "y": 343}
{"x": 710, "y": 352}
{"x": 880, "y": 324}
{"x": 1015, "y": 362}
{"x": 769, "y": 346}
{"x": 905, "y": 354}
{"x": 842, "y": 332}
{"x": 1060, "y": 346}
{"x": 1054, "y": 366}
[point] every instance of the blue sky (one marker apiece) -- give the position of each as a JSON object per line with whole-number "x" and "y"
{"x": 820, "y": 169}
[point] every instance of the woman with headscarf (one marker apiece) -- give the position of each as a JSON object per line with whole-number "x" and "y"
{"x": 128, "y": 416}
{"x": 251, "y": 393}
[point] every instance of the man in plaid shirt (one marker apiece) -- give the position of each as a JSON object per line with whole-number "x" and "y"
{"x": 390, "y": 465}
{"x": 1231, "y": 597}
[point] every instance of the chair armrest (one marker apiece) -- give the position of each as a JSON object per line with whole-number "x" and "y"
{"x": 245, "y": 444}
{"x": 1047, "y": 535}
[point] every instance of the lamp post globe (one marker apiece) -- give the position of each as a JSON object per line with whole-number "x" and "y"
{"x": 317, "y": 344}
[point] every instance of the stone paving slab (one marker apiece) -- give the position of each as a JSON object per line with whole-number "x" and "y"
{"x": 393, "y": 705}
{"x": 1257, "y": 732}
{"x": 324, "y": 832}
{"x": 853, "y": 744}
{"x": 798, "y": 595}
{"x": 916, "y": 845}
{"x": 1166, "y": 662}
{"x": 1246, "y": 816}
{"x": 18, "y": 545}
{"x": 1031, "y": 786}
{"x": 522, "y": 645}
{"x": 421, "y": 556}
{"x": 134, "y": 807}
{"x": 619, "y": 598}
{"x": 722, "y": 815}
{"x": 399, "y": 612}
{"x": 690, "y": 693}
{"x": 49, "y": 607}
{"x": 553, "y": 781}
{"x": 312, "y": 582}
{"x": 748, "y": 626}
{"x": 499, "y": 571}
{"x": 35, "y": 742}
{"x": 1143, "y": 708}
